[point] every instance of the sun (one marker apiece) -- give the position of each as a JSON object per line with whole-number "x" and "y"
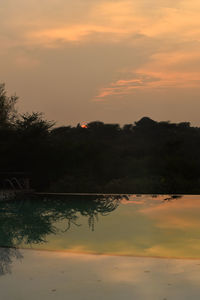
{"x": 84, "y": 125}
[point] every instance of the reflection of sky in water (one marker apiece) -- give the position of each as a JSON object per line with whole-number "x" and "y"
{"x": 56, "y": 275}
{"x": 141, "y": 226}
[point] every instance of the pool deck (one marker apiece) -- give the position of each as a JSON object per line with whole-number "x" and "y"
{"x": 60, "y": 275}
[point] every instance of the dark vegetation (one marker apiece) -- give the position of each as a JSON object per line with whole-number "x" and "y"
{"x": 143, "y": 157}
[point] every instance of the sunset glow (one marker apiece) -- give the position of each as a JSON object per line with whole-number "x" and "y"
{"x": 84, "y": 125}
{"x": 114, "y": 61}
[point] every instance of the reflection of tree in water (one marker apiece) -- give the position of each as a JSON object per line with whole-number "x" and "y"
{"x": 6, "y": 258}
{"x": 32, "y": 219}
{"x": 101, "y": 206}
{"x": 172, "y": 197}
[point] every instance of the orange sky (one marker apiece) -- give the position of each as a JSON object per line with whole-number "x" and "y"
{"x": 114, "y": 61}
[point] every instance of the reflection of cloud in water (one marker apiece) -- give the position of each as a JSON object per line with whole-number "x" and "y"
{"x": 181, "y": 214}
{"x": 124, "y": 201}
{"x": 158, "y": 226}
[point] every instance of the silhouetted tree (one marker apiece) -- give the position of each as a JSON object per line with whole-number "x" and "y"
{"x": 143, "y": 157}
{"x": 7, "y": 107}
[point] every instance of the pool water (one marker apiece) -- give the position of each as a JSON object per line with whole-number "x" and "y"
{"x": 128, "y": 225}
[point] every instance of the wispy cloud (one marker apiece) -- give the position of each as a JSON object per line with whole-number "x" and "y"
{"x": 77, "y": 33}
{"x": 114, "y": 20}
{"x": 127, "y": 86}
{"x": 166, "y": 70}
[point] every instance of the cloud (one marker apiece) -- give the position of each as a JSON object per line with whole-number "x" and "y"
{"x": 65, "y": 22}
{"x": 127, "y": 86}
{"x": 89, "y": 43}
{"x": 164, "y": 70}
{"x": 73, "y": 34}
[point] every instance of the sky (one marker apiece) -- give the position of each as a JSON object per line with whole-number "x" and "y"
{"x": 114, "y": 61}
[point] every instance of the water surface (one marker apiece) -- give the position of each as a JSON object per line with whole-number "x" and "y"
{"x": 60, "y": 275}
{"x": 153, "y": 226}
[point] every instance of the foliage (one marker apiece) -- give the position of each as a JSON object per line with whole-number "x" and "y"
{"x": 7, "y": 107}
{"x": 143, "y": 157}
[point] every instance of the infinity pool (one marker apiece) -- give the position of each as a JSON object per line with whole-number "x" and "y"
{"x": 100, "y": 247}
{"x": 152, "y": 226}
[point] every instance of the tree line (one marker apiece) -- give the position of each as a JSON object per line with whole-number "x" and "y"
{"x": 143, "y": 157}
